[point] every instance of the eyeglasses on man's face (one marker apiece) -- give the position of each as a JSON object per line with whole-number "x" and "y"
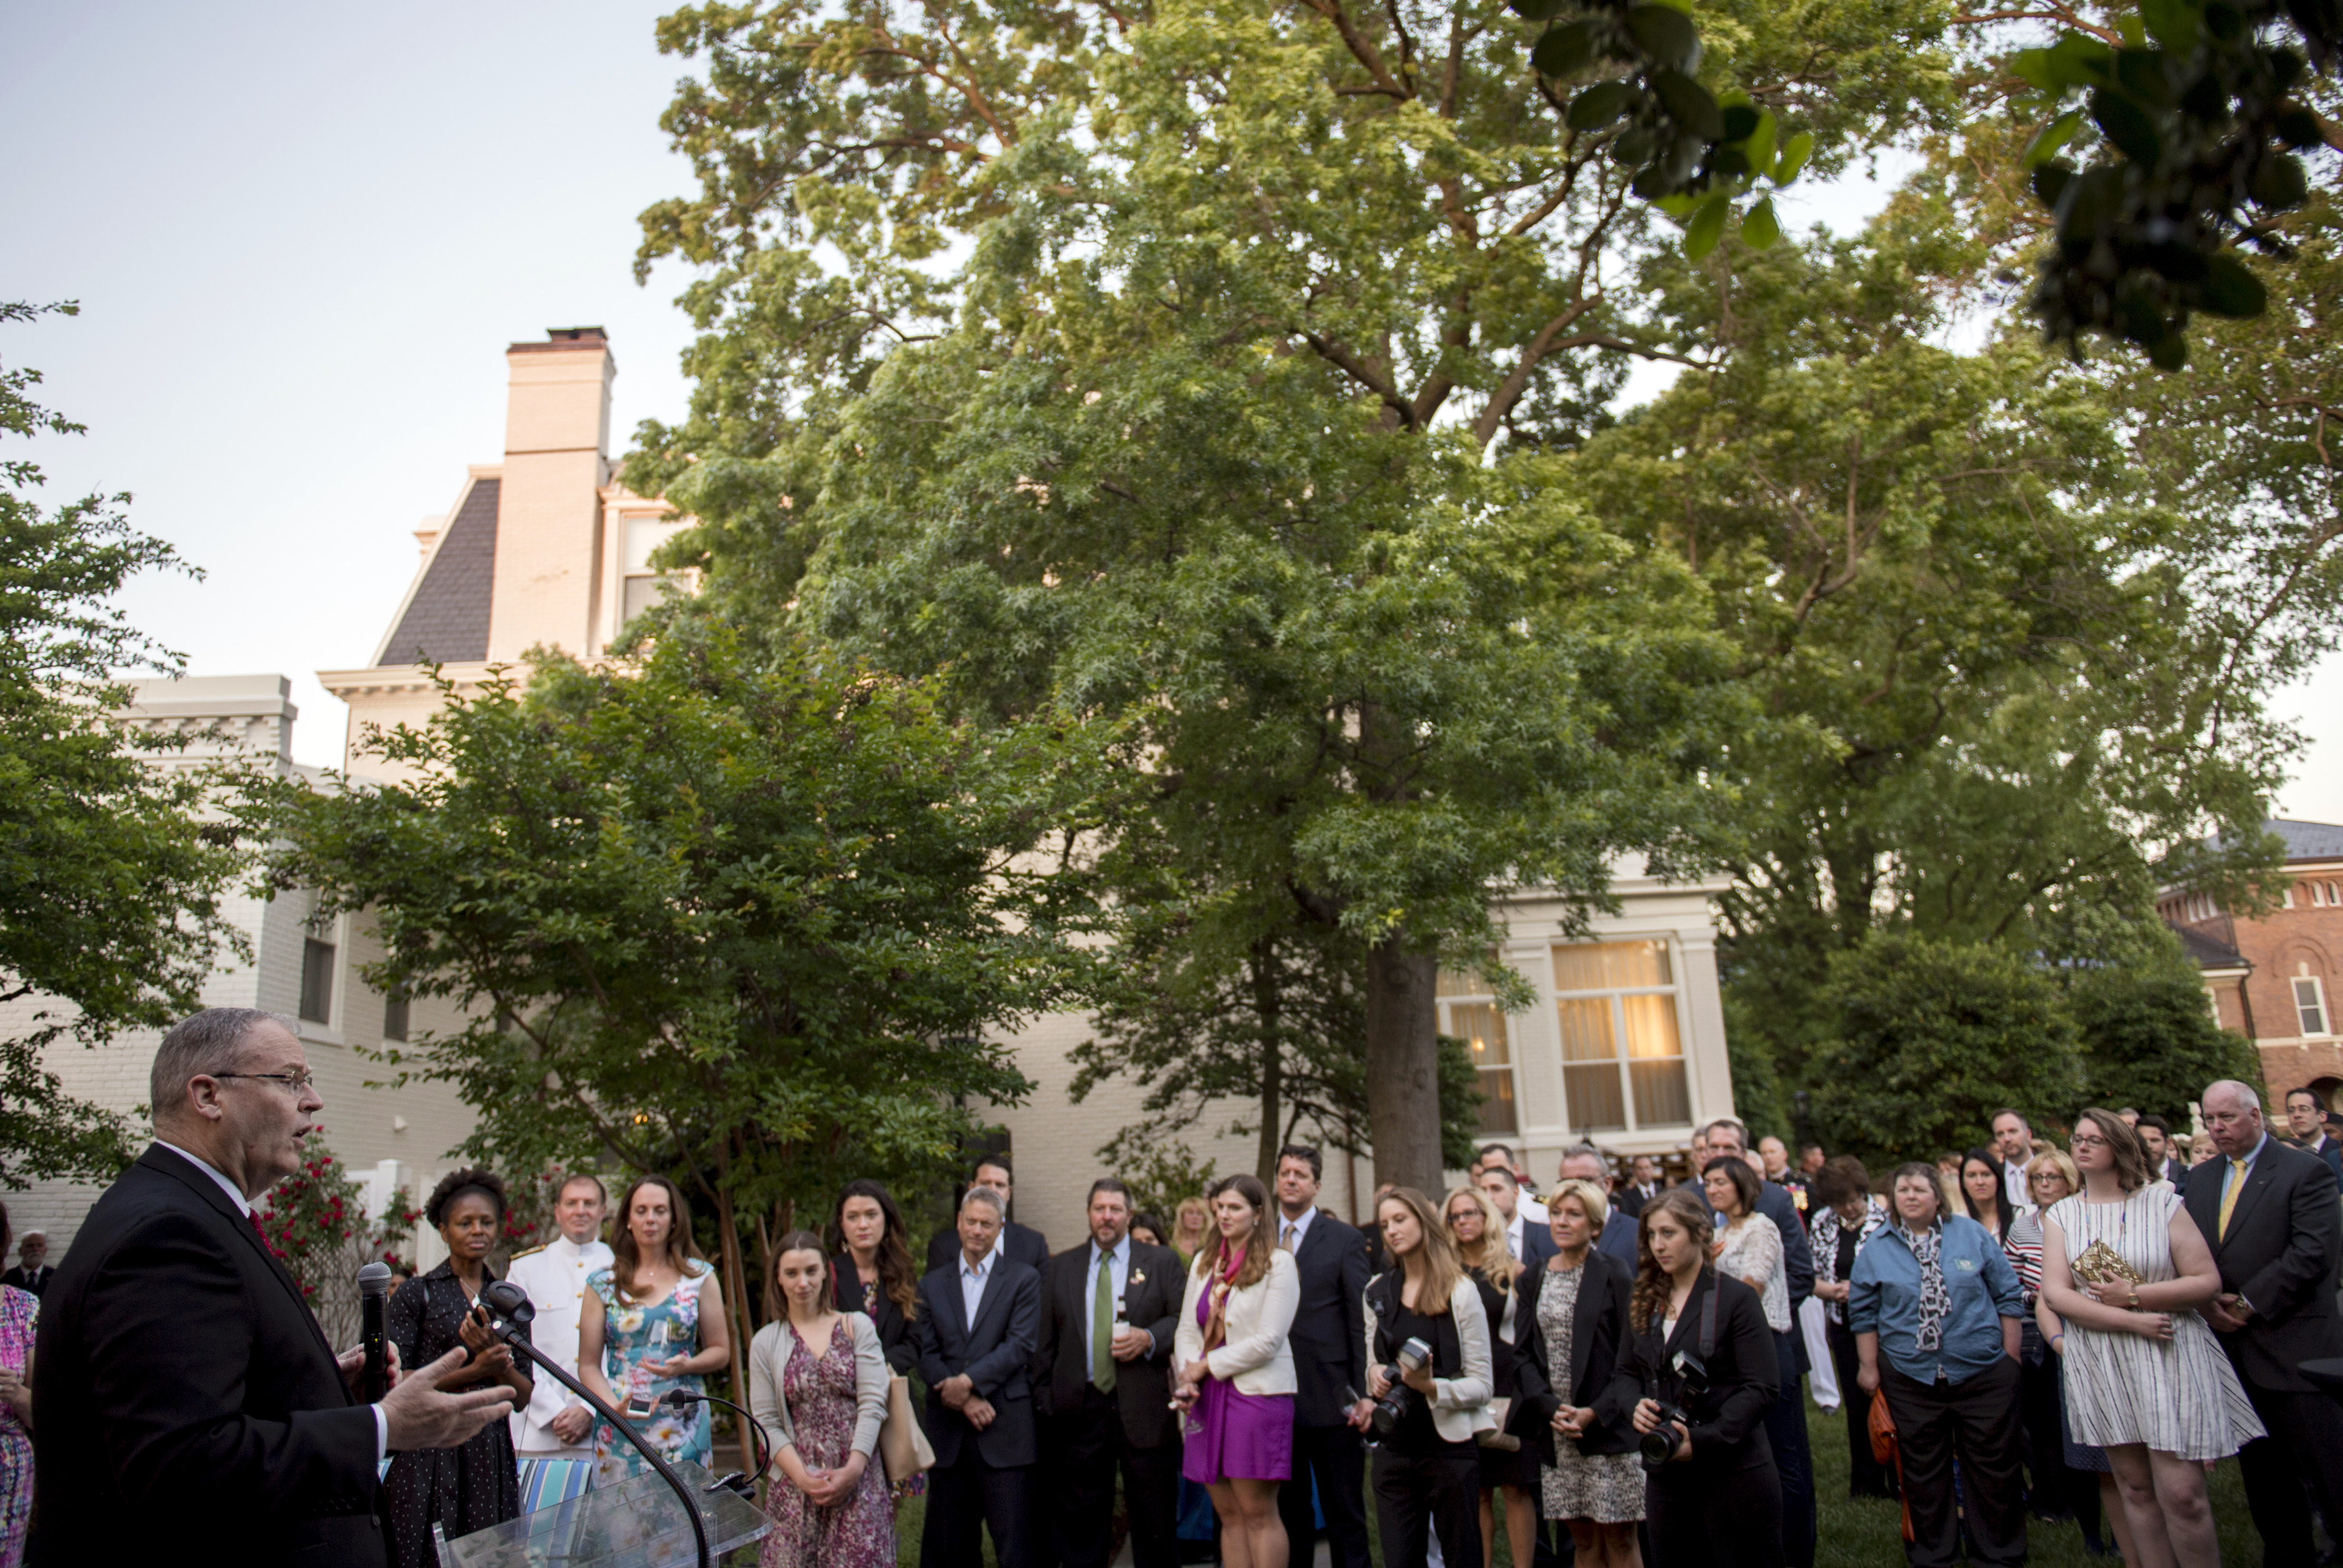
{"x": 298, "y": 1082}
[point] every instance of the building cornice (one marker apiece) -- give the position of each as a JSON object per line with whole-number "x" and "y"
{"x": 387, "y": 678}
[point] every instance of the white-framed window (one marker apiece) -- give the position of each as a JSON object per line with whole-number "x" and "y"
{"x": 1468, "y": 1013}
{"x": 2323, "y": 895}
{"x": 2310, "y": 1004}
{"x": 641, "y": 588}
{"x": 1623, "y": 1063}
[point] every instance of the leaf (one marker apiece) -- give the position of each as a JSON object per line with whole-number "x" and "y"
{"x": 2049, "y": 180}
{"x": 1666, "y": 34}
{"x": 1598, "y": 106}
{"x": 2143, "y": 76}
{"x": 2051, "y": 137}
{"x": 1677, "y": 205}
{"x": 2172, "y": 23}
{"x": 2279, "y": 183}
{"x": 1693, "y": 108}
{"x": 2127, "y": 126}
{"x": 2039, "y": 69}
{"x": 1759, "y": 143}
{"x": 1794, "y": 154}
{"x": 1707, "y": 226}
{"x": 2129, "y": 28}
{"x": 1564, "y": 51}
{"x": 1535, "y": 10}
{"x": 1760, "y": 228}
{"x": 2231, "y": 289}
{"x": 1740, "y": 120}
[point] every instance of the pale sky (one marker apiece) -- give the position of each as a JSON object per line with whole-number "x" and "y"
{"x": 302, "y": 237}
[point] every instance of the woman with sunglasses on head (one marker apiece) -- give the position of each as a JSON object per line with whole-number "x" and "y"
{"x": 2125, "y": 1268}
{"x": 472, "y": 1487}
{"x": 1701, "y": 1346}
{"x": 1426, "y": 1471}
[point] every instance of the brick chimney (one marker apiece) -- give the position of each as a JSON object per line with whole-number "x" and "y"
{"x": 549, "y": 515}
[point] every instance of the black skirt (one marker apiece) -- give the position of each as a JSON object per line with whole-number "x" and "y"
{"x": 461, "y": 1489}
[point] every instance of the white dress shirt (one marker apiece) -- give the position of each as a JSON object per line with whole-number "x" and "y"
{"x": 554, "y": 1275}
{"x": 244, "y": 1207}
{"x": 2013, "y": 1181}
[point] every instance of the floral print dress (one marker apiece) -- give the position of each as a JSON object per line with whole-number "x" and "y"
{"x": 634, "y": 1333}
{"x": 20, "y": 1312}
{"x": 858, "y": 1533}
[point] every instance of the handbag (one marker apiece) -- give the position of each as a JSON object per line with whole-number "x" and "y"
{"x": 903, "y": 1445}
{"x": 1884, "y": 1449}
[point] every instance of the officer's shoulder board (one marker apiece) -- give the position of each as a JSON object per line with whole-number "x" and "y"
{"x": 532, "y": 1253}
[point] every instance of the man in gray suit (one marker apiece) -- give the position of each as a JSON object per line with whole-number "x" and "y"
{"x": 2269, "y": 1214}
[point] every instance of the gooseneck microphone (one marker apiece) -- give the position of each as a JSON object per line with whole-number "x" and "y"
{"x": 683, "y": 1399}
{"x": 374, "y": 1288}
{"x": 509, "y": 1310}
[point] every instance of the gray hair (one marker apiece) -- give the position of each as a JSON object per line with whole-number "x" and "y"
{"x": 211, "y": 1041}
{"x": 1740, "y": 1129}
{"x": 2253, "y": 1101}
{"x": 986, "y": 1196}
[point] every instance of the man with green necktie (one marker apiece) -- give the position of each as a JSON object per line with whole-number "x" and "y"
{"x": 1109, "y": 1309}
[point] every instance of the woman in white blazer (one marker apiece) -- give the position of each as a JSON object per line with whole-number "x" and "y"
{"x": 1427, "y": 1466}
{"x": 1233, "y": 1373}
{"x": 817, "y": 1385}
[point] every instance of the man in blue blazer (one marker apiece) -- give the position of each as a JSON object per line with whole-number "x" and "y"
{"x": 979, "y": 1326}
{"x": 1330, "y": 1359}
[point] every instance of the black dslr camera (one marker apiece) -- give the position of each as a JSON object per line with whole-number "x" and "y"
{"x": 1393, "y": 1407}
{"x": 1659, "y": 1445}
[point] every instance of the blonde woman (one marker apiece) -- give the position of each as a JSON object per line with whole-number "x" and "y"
{"x": 1576, "y": 1303}
{"x": 1192, "y": 1228}
{"x": 1427, "y": 1469}
{"x": 1479, "y": 1233}
{"x": 1233, "y": 1373}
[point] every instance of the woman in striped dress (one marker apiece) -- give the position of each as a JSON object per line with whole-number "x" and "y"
{"x": 2145, "y": 1378}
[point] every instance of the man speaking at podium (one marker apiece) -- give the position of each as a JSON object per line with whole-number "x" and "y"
{"x": 189, "y": 1407}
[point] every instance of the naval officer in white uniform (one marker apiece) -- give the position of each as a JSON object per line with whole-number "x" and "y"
{"x": 556, "y": 1424}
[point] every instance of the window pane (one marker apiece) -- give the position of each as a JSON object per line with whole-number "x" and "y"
{"x": 1602, "y": 966}
{"x": 1451, "y": 983}
{"x": 1652, "y": 1025}
{"x": 394, "y": 1017}
{"x": 645, "y": 534}
{"x": 316, "y": 981}
{"x": 644, "y": 592}
{"x": 1497, "y": 1110}
{"x": 1661, "y": 1098}
{"x": 1596, "y": 1104}
{"x": 1482, "y": 1029}
{"x": 1586, "y": 1030}
{"x": 2310, "y": 1006}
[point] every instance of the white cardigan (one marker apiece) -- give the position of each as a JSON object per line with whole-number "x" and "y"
{"x": 1255, "y": 1356}
{"x": 1460, "y": 1405}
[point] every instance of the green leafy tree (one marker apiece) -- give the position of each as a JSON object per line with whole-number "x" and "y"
{"x": 316, "y": 1222}
{"x": 113, "y": 867}
{"x": 2148, "y": 1038}
{"x": 753, "y": 923}
{"x": 1932, "y": 1037}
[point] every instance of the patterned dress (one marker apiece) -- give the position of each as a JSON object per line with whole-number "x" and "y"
{"x": 858, "y": 1533}
{"x": 1607, "y": 1488}
{"x": 463, "y": 1489}
{"x": 2179, "y": 1398}
{"x": 20, "y": 1311}
{"x": 633, "y": 1333}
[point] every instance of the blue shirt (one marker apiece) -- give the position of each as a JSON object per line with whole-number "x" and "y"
{"x": 2230, "y": 1172}
{"x": 1980, "y": 1289}
{"x": 1116, "y": 1272}
{"x": 972, "y": 1276}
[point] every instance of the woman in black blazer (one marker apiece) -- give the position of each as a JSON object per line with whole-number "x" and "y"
{"x": 1574, "y": 1307}
{"x": 1701, "y": 1344}
{"x": 871, "y": 1270}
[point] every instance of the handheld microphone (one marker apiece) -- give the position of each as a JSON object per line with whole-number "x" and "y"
{"x": 374, "y": 1288}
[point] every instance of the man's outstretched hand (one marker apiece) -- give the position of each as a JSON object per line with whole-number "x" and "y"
{"x": 420, "y": 1416}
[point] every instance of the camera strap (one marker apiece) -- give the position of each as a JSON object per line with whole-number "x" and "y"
{"x": 1708, "y": 1324}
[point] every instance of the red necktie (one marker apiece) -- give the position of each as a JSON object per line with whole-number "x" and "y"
{"x": 254, "y": 1215}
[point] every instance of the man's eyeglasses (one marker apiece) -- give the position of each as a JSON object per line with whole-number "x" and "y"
{"x": 298, "y": 1082}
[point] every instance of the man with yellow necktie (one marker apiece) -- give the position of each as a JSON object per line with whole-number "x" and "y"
{"x": 2270, "y": 1212}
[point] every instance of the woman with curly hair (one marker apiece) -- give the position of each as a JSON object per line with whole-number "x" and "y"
{"x": 870, "y": 1268}
{"x": 472, "y": 1487}
{"x": 653, "y": 1323}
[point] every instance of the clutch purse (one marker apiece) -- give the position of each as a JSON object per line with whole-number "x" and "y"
{"x": 2100, "y": 1264}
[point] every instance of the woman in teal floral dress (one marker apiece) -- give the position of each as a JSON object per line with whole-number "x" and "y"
{"x": 652, "y": 1321}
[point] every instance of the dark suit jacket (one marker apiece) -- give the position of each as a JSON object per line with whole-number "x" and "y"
{"x": 2284, "y": 1238}
{"x": 894, "y": 1329}
{"x": 1537, "y": 1244}
{"x": 1629, "y": 1200}
{"x": 1151, "y": 1289}
{"x": 1019, "y": 1245}
{"x": 1328, "y": 1334}
{"x": 1618, "y": 1240}
{"x": 1728, "y": 1428}
{"x": 178, "y": 1377}
{"x": 33, "y": 1282}
{"x": 1598, "y": 1337}
{"x": 996, "y": 1353}
{"x": 2328, "y": 1149}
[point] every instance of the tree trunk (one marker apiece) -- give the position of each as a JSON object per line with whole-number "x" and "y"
{"x": 1266, "y": 992}
{"x": 1404, "y": 1065}
{"x": 736, "y": 1298}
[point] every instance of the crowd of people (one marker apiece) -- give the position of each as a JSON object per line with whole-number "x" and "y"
{"x": 1612, "y": 1367}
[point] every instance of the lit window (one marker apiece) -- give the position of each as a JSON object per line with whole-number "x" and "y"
{"x": 2310, "y": 1004}
{"x": 1621, "y": 1050}
{"x": 316, "y": 981}
{"x": 1481, "y": 1028}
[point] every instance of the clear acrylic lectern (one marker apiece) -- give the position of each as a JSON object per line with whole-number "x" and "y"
{"x": 637, "y": 1524}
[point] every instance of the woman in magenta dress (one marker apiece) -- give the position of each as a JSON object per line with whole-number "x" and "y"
{"x": 1234, "y": 1373}
{"x": 20, "y": 1314}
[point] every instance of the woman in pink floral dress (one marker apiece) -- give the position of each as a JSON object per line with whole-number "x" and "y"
{"x": 19, "y": 1311}
{"x": 817, "y": 1385}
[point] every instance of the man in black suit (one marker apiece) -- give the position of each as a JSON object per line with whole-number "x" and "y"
{"x": 1019, "y": 1243}
{"x": 2156, "y": 1137}
{"x": 1642, "y": 1189}
{"x": 1109, "y": 1309}
{"x": 2269, "y": 1214}
{"x": 1529, "y": 1236}
{"x": 32, "y": 1273}
{"x": 1330, "y": 1359}
{"x": 2306, "y": 1118}
{"x": 979, "y": 1326}
{"x": 179, "y": 1377}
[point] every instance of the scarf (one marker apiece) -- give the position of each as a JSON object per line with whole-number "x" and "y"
{"x": 1928, "y": 1248}
{"x": 1216, "y": 1326}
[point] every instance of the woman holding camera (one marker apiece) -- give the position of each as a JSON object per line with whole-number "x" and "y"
{"x": 1702, "y": 1370}
{"x": 1429, "y": 1376}
{"x": 1568, "y": 1361}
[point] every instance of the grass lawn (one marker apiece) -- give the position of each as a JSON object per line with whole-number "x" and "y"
{"x": 1855, "y": 1533}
